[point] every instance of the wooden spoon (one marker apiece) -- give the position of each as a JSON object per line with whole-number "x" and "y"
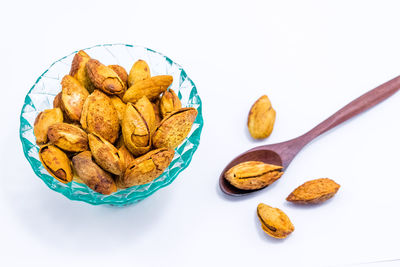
{"x": 283, "y": 153}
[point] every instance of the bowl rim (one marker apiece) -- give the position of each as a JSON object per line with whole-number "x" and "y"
{"x": 147, "y": 193}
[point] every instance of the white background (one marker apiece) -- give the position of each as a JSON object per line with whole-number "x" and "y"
{"x": 310, "y": 57}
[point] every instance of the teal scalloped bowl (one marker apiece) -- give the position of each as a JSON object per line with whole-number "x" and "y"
{"x": 46, "y": 87}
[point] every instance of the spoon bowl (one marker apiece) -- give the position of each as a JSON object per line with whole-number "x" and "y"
{"x": 283, "y": 153}
{"x": 257, "y": 154}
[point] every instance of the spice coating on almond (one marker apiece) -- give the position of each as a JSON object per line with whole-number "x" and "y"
{"x": 274, "y": 222}
{"x": 145, "y": 108}
{"x": 92, "y": 175}
{"x": 314, "y": 191}
{"x": 151, "y": 88}
{"x": 125, "y": 156}
{"x": 140, "y": 71}
{"x": 135, "y": 131}
{"x": 43, "y": 121}
{"x": 56, "y": 162}
{"x": 78, "y": 70}
{"x": 251, "y": 175}
{"x": 146, "y": 168}
{"x": 121, "y": 72}
{"x": 104, "y": 78}
{"x": 105, "y": 154}
{"x": 157, "y": 112}
{"x": 119, "y": 107}
{"x": 57, "y": 101}
{"x": 73, "y": 96}
{"x": 100, "y": 116}
{"x": 174, "y": 128}
{"x": 169, "y": 103}
{"x": 261, "y": 118}
{"x": 68, "y": 137}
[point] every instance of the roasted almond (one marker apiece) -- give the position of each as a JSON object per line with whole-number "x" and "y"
{"x": 121, "y": 72}
{"x": 73, "y": 96}
{"x": 78, "y": 70}
{"x": 151, "y": 88}
{"x": 100, "y": 116}
{"x": 145, "y": 108}
{"x": 92, "y": 175}
{"x": 173, "y": 129}
{"x": 314, "y": 191}
{"x": 169, "y": 103}
{"x": 252, "y": 175}
{"x": 104, "y": 78}
{"x": 56, "y": 162}
{"x": 261, "y": 118}
{"x": 135, "y": 131}
{"x": 274, "y": 222}
{"x": 43, "y": 121}
{"x": 68, "y": 137}
{"x": 140, "y": 71}
{"x": 105, "y": 154}
{"x": 146, "y": 168}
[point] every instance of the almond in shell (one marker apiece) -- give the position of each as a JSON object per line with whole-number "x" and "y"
{"x": 135, "y": 131}
{"x": 174, "y": 128}
{"x": 145, "y": 108}
{"x": 169, "y": 103}
{"x": 104, "y": 78}
{"x": 252, "y": 175}
{"x": 92, "y": 175}
{"x": 105, "y": 154}
{"x": 73, "y": 96}
{"x": 121, "y": 72}
{"x": 140, "y": 71}
{"x": 68, "y": 137}
{"x": 57, "y": 101}
{"x": 146, "y": 168}
{"x": 261, "y": 118}
{"x": 100, "y": 116}
{"x": 151, "y": 88}
{"x": 56, "y": 162}
{"x": 314, "y": 191}
{"x": 119, "y": 107}
{"x": 274, "y": 222}
{"x": 43, "y": 121}
{"x": 125, "y": 156}
{"x": 78, "y": 70}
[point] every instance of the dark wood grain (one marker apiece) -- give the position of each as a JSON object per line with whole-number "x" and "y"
{"x": 283, "y": 153}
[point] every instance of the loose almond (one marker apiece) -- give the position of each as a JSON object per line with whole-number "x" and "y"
{"x": 314, "y": 191}
{"x": 274, "y": 222}
{"x": 261, "y": 118}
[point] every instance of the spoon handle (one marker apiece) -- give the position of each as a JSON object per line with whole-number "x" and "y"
{"x": 355, "y": 107}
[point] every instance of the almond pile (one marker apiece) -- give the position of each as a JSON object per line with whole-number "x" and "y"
{"x": 110, "y": 129}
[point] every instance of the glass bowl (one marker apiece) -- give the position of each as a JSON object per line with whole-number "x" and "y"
{"x": 47, "y": 86}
